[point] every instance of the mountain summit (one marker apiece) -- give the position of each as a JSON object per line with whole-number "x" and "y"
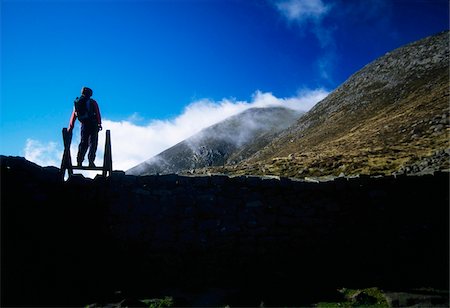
{"x": 225, "y": 143}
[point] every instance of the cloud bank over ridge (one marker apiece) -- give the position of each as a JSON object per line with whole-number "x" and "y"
{"x": 134, "y": 143}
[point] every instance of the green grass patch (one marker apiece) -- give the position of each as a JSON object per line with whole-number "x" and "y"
{"x": 158, "y": 302}
{"x": 371, "y": 297}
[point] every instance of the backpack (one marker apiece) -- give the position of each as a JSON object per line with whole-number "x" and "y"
{"x": 84, "y": 109}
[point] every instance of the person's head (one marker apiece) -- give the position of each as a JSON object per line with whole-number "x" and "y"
{"x": 85, "y": 91}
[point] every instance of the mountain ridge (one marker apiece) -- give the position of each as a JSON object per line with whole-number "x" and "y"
{"x": 226, "y": 142}
{"x": 390, "y": 116}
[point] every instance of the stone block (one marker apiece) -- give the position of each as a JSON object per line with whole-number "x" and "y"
{"x": 219, "y": 180}
{"x": 168, "y": 200}
{"x": 117, "y": 175}
{"x": 149, "y": 200}
{"x": 201, "y": 181}
{"x": 287, "y": 221}
{"x": 209, "y": 225}
{"x": 162, "y": 192}
{"x": 168, "y": 179}
{"x": 332, "y": 207}
{"x": 248, "y": 215}
{"x": 226, "y": 203}
{"x": 238, "y": 180}
{"x": 50, "y": 175}
{"x": 253, "y": 181}
{"x": 147, "y": 180}
{"x": 259, "y": 231}
{"x": 77, "y": 179}
{"x": 254, "y": 204}
{"x": 286, "y": 210}
{"x": 141, "y": 191}
{"x": 206, "y": 198}
{"x": 170, "y": 210}
{"x": 207, "y": 210}
{"x": 341, "y": 184}
{"x": 129, "y": 180}
{"x": 286, "y": 183}
{"x": 267, "y": 219}
{"x": 230, "y": 229}
{"x": 304, "y": 212}
{"x": 273, "y": 201}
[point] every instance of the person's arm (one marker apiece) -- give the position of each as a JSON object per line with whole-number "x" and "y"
{"x": 73, "y": 117}
{"x": 97, "y": 112}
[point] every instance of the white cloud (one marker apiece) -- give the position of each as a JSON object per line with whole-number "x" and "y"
{"x": 133, "y": 143}
{"x": 302, "y": 10}
{"x": 303, "y": 101}
{"x": 43, "y": 154}
{"x": 309, "y": 15}
{"x": 135, "y": 117}
{"x": 325, "y": 63}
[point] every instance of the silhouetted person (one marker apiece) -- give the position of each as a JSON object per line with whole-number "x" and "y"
{"x": 87, "y": 111}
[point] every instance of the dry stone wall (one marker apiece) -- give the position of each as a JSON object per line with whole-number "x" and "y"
{"x": 84, "y": 238}
{"x": 249, "y": 213}
{"x": 354, "y": 231}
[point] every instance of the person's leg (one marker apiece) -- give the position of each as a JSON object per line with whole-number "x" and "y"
{"x": 93, "y": 142}
{"x": 84, "y": 143}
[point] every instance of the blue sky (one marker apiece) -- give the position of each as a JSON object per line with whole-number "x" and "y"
{"x": 163, "y": 70}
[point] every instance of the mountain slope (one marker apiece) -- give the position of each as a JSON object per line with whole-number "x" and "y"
{"x": 227, "y": 142}
{"x": 391, "y": 115}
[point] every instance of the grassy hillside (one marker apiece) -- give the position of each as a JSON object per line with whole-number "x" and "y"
{"x": 391, "y": 116}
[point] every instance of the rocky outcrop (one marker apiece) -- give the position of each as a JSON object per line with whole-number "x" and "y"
{"x": 254, "y": 238}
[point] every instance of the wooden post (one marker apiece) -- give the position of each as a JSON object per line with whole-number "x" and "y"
{"x": 66, "y": 162}
{"x": 107, "y": 157}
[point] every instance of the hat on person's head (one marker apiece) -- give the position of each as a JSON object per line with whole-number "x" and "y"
{"x": 86, "y": 91}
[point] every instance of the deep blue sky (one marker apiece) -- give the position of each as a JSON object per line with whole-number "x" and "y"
{"x": 153, "y": 58}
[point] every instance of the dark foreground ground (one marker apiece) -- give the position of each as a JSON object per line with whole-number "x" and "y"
{"x": 62, "y": 244}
